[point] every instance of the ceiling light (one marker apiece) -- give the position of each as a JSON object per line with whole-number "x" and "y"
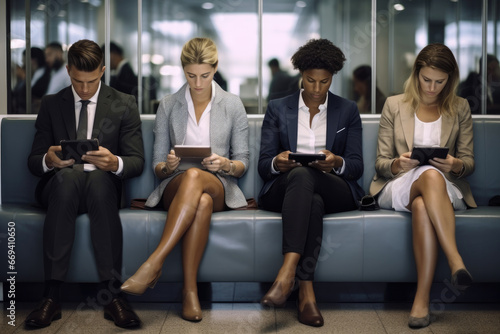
{"x": 399, "y": 7}
{"x": 301, "y": 4}
{"x": 207, "y": 5}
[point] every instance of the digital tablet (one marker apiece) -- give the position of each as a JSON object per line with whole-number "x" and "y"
{"x": 74, "y": 149}
{"x": 305, "y": 158}
{"x": 424, "y": 153}
{"x": 191, "y": 156}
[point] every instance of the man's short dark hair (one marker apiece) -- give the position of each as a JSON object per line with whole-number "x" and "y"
{"x": 85, "y": 55}
{"x": 55, "y": 45}
{"x": 274, "y": 63}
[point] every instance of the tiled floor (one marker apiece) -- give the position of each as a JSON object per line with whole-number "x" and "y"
{"x": 234, "y": 318}
{"x": 233, "y": 308}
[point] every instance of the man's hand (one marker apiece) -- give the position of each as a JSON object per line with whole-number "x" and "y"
{"x": 53, "y": 161}
{"x": 103, "y": 159}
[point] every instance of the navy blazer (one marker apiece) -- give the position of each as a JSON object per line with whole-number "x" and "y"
{"x": 343, "y": 138}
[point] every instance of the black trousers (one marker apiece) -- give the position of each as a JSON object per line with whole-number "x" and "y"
{"x": 69, "y": 193}
{"x": 303, "y": 195}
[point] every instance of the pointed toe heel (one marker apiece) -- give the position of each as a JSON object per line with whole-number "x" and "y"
{"x": 143, "y": 278}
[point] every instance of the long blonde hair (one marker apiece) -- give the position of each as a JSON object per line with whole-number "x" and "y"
{"x": 199, "y": 51}
{"x": 437, "y": 56}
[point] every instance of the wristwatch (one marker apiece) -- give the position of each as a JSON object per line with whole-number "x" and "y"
{"x": 164, "y": 169}
{"x": 232, "y": 169}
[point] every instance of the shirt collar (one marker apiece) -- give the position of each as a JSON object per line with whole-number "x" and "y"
{"x": 93, "y": 99}
{"x": 189, "y": 99}
{"x": 302, "y": 105}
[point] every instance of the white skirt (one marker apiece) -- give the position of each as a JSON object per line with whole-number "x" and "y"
{"x": 396, "y": 193}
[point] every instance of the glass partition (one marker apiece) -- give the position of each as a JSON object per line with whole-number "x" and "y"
{"x": 150, "y": 35}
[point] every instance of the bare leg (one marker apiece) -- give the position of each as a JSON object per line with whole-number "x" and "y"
{"x": 189, "y": 188}
{"x": 431, "y": 187}
{"x": 193, "y": 247}
{"x": 425, "y": 250}
{"x": 191, "y": 185}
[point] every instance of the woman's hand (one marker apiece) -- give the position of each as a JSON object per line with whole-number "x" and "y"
{"x": 215, "y": 163}
{"x": 326, "y": 165}
{"x": 282, "y": 164}
{"x": 450, "y": 164}
{"x": 166, "y": 168}
{"x": 172, "y": 161}
{"x": 404, "y": 163}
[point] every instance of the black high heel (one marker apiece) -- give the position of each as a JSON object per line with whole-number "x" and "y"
{"x": 461, "y": 279}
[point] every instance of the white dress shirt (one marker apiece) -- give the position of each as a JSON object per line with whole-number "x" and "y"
{"x": 311, "y": 138}
{"x": 59, "y": 79}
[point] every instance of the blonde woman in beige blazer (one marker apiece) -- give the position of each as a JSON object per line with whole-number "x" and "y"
{"x": 199, "y": 113}
{"x": 428, "y": 114}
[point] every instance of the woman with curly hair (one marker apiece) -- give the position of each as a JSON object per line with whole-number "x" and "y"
{"x": 312, "y": 120}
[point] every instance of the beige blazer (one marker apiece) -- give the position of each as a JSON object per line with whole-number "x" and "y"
{"x": 395, "y": 137}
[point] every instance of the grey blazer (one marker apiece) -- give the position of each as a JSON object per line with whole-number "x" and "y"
{"x": 228, "y": 137}
{"x": 395, "y": 137}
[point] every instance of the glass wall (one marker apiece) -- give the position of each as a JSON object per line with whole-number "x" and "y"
{"x": 380, "y": 39}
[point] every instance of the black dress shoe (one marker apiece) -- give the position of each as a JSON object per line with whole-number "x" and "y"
{"x": 461, "y": 279}
{"x": 43, "y": 315}
{"x": 119, "y": 311}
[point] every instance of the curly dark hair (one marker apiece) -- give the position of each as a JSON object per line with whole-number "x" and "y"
{"x": 318, "y": 54}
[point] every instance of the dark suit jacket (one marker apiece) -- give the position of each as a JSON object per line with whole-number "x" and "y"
{"x": 343, "y": 138}
{"x": 125, "y": 81}
{"x": 117, "y": 125}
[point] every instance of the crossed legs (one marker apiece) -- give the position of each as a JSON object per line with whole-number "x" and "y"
{"x": 433, "y": 224}
{"x": 190, "y": 199}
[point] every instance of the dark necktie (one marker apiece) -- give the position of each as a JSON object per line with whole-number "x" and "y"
{"x": 81, "y": 132}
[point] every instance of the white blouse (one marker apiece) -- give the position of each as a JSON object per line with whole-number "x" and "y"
{"x": 427, "y": 133}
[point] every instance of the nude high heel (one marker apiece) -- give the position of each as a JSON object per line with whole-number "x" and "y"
{"x": 191, "y": 310}
{"x": 145, "y": 277}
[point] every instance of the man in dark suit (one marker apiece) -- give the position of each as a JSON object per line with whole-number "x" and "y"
{"x": 123, "y": 77}
{"x": 90, "y": 109}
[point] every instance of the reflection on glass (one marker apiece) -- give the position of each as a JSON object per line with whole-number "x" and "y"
{"x": 403, "y": 28}
{"x": 54, "y": 25}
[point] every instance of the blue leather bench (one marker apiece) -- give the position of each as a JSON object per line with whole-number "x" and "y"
{"x": 245, "y": 246}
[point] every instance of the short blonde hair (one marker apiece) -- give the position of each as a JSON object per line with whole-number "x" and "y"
{"x": 436, "y": 56}
{"x": 199, "y": 51}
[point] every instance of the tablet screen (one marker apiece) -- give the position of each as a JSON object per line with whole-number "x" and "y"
{"x": 191, "y": 155}
{"x": 424, "y": 153}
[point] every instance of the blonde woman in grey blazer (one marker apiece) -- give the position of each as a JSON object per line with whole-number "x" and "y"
{"x": 199, "y": 113}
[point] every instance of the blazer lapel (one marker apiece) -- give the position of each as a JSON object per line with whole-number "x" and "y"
{"x": 332, "y": 121}
{"x": 102, "y": 109}
{"x": 179, "y": 117}
{"x": 446, "y": 129}
{"x": 407, "y": 123}
{"x": 217, "y": 117}
{"x": 292, "y": 117}
{"x": 68, "y": 112}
